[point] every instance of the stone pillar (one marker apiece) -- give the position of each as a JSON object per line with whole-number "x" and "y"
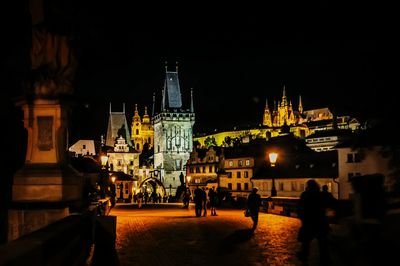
{"x": 46, "y": 186}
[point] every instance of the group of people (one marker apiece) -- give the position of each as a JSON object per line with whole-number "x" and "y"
{"x": 200, "y": 201}
{"x": 312, "y": 209}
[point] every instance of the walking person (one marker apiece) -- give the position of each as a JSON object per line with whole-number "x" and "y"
{"x": 253, "y": 205}
{"x": 204, "y": 202}
{"x": 212, "y": 197}
{"x": 198, "y": 201}
{"x": 314, "y": 223}
{"x": 140, "y": 199}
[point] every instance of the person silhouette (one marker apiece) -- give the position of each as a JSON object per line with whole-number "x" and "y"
{"x": 314, "y": 223}
{"x": 253, "y": 205}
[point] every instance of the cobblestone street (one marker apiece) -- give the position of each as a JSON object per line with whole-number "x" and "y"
{"x": 170, "y": 235}
{"x": 166, "y": 234}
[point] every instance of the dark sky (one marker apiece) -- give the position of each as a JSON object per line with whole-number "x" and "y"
{"x": 233, "y": 57}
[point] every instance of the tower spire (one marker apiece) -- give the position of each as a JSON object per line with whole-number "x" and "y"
{"x": 176, "y": 66}
{"x": 284, "y": 101}
{"x": 267, "y": 119}
{"x": 110, "y": 107}
{"x": 166, "y": 66}
{"x": 191, "y": 101}
{"x": 136, "y": 117}
{"x": 300, "y": 105}
{"x": 123, "y": 108}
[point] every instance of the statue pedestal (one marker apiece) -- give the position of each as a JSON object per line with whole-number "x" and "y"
{"x": 46, "y": 186}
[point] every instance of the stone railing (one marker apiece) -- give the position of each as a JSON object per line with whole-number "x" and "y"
{"x": 69, "y": 241}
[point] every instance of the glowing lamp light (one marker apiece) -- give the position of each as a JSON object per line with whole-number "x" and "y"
{"x": 188, "y": 178}
{"x": 113, "y": 178}
{"x": 273, "y": 156}
{"x": 104, "y": 160}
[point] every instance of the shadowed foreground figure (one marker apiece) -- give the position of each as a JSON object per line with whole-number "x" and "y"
{"x": 314, "y": 223}
{"x": 253, "y": 205}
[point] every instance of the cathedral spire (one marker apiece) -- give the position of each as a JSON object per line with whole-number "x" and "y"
{"x": 300, "y": 105}
{"x": 176, "y": 66}
{"x": 110, "y": 108}
{"x": 267, "y": 119}
{"x": 191, "y": 101}
{"x": 284, "y": 100}
{"x": 123, "y": 108}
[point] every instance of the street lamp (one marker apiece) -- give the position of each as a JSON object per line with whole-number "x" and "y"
{"x": 103, "y": 175}
{"x": 273, "y": 156}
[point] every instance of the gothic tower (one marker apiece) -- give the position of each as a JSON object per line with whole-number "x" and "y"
{"x": 172, "y": 133}
{"x": 267, "y": 120}
{"x": 142, "y": 132}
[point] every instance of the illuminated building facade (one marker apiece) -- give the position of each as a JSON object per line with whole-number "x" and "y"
{"x": 142, "y": 131}
{"x": 173, "y": 127}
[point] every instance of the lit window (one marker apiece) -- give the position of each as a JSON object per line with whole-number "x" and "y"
{"x": 247, "y": 162}
{"x": 230, "y": 163}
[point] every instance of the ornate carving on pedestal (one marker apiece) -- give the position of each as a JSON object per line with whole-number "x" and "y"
{"x": 45, "y": 133}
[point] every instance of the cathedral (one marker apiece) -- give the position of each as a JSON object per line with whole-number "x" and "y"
{"x": 173, "y": 127}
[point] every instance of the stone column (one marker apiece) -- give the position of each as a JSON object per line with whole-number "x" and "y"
{"x": 47, "y": 186}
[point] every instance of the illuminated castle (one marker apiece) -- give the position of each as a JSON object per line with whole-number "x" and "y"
{"x": 283, "y": 113}
{"x": 282, "y": 117}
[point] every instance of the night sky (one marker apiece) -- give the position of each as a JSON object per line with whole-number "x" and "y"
{"x": 233, "y": 59}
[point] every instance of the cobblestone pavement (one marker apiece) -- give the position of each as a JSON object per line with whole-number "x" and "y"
{"x": 173, "y": 236}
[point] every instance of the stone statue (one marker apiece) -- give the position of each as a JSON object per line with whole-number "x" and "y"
{"x": 53, "y": 64}
{"x": 52, "y": 55}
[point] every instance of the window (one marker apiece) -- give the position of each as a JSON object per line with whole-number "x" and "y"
{"x": 119, "y": 163}
{"x": 349, "y": 157}
{"x": 239, "y": 186}
{"x": 294, "y": 186}
{"x": 137, "y": 146}
{"x": 191, "y": 169}
{"x": 210, "y": 158}
{"x": 158, "y": 148}
{"x": 349, "y": 176}
{"x": 246, "y": 174}
{"x": 230, "y": 163}
{"x": 210, "y": 169}
{"x": 84, "y": 146}
{"x": 238, "y": 175}
{"x": 357, "y": 157}
{"x": 131, "y": 162}
{"x": 178, "y": 164}
{"x": 358, "y": 174}
{"x": 204, "y": 169}
{"x": 280, "y": 186}
{"x": 230, "y": 175}
{"x": 197, "y": 169}
{"x": 246, "y": 186}
{"x": 137, "y": 131}
{"x": 247, "y": 162}
{"x": 230, "y": 186}
{"x": 240, "y": 163}
{"x": 131, "y": 172}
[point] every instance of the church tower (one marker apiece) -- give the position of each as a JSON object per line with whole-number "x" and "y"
{"x": 173, "y": 126}
{"x": 267, "y": 120}
{"x": 142, "y": 130}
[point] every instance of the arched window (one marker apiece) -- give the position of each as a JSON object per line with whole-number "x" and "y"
{"x": 137, "y": 131}
{"x": 137, "y": 146}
